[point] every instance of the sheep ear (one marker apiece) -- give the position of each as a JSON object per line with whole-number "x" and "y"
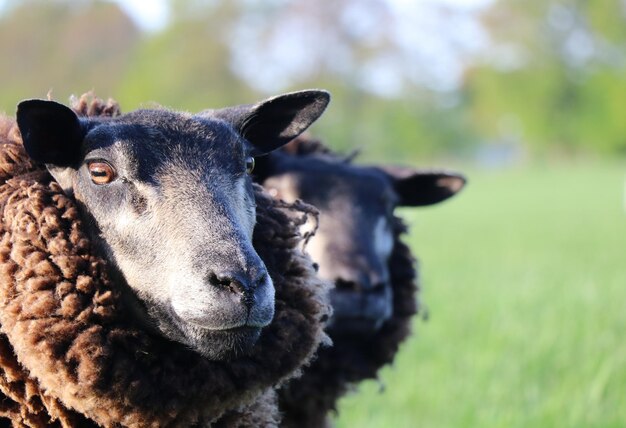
{"x": 51, "y": 132}
{"x": 274, "y": 122}
{"x": 419, "y": 187}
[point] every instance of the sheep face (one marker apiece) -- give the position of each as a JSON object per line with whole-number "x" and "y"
{"x": 355, "y": 238}
{"x": 170, "y": 198}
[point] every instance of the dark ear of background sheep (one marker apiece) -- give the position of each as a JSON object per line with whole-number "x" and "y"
{"x": 69, "y": 355}
{"x": 306, "y": 401}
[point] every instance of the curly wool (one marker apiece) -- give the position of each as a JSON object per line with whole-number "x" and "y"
{"x": 71, "y": 357}
{"x": 306, "y": 401}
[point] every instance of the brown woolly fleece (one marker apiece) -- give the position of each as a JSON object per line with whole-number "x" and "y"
{"x": 70, "y": 356}
{"x": 307, "y": 401}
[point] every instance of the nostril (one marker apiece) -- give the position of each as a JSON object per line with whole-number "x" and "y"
{"x": 219, "y": 281}
{"x": 378, "y": 287}
{"x": 342, "y": 284}
{"x": 261, "y": 279}
{"x": 360, "y": 286}
{"x": 237, "y": 283}
{"x": 230, "y": 281}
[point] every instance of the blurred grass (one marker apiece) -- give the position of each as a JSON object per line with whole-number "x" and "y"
{"x": 524, "y": 277}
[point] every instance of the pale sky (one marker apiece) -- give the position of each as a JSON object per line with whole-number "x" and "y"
{"x": 153, "y": 15}
{"x": 149, "y": 15}
{"x": 433, "y": 46}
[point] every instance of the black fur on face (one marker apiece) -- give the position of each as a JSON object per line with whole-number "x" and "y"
{"x": 355, "y": 238}
{"x": 170, "y": 197}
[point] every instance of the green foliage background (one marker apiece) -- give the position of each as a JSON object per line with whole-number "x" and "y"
{"x": 523, "y": 273}
{"x": 524, "y": 280}
{"x": 544, "y": 106}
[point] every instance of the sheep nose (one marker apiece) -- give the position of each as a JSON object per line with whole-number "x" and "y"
{"x": 239, "y": 282}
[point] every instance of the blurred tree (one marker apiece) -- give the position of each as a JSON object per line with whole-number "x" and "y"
{"x": 409, "y": 79}
{"x": 187, "y": 65}
{"x": 556, "y": 77}
{"x": 384, "y": 47}
{"x": 220, "y": 53}
{"x": 64, "y": 47}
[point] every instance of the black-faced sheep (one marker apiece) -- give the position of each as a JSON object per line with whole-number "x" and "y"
{"x": 137, "y": 286}
{"x": 358, "y": 247}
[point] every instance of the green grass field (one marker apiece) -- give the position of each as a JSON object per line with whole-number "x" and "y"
{"x": 524, "y": 277}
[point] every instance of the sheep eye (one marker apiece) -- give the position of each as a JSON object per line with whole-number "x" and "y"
{"x": 101, "y": 172}
{"x": 249, "y": 165}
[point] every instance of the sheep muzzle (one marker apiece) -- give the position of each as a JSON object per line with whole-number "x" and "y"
{"x": 360, "y": 311}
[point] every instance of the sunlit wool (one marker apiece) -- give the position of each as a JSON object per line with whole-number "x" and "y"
{"x": 71, "y": 356}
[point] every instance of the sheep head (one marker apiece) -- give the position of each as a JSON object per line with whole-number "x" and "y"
{"x": 355, "y": 238}
{"x": 170, "y": 201}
